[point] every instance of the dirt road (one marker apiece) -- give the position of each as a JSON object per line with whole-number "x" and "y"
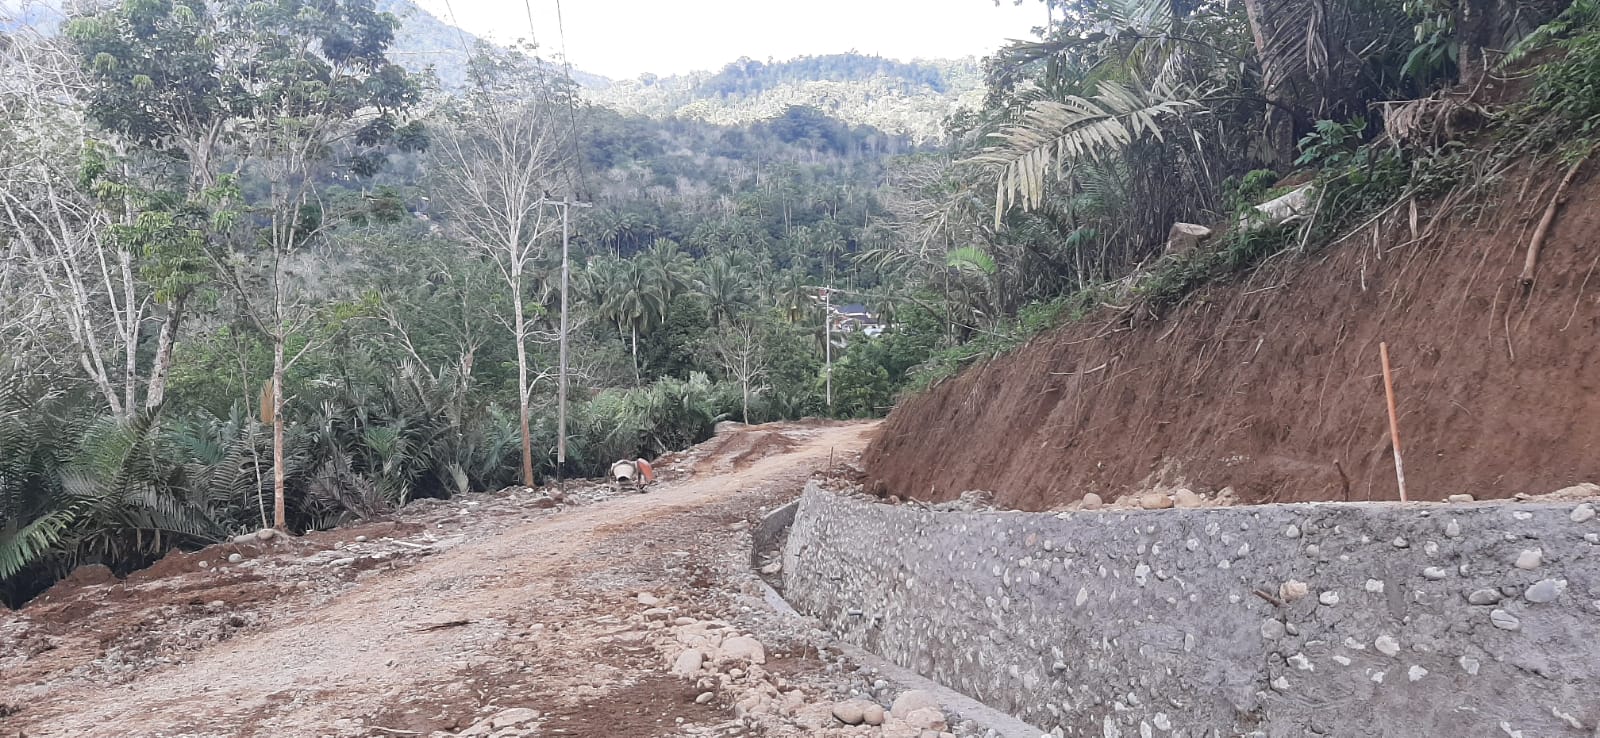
{"x": 523, "y": 608}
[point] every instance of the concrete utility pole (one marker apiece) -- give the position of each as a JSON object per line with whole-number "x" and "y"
{"x": 827, "y": 342}
{"x": 566, "y": 206}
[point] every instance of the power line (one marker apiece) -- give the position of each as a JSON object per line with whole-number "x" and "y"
{"x": 472, "y": 71}
{"x": 567, "y": 203}
{"x": 572, "y": 109}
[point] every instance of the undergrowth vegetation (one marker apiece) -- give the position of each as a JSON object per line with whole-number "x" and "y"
{"x": 1357, "y": 172}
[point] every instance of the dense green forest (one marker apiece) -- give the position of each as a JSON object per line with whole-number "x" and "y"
{"x": 256, "y": 272}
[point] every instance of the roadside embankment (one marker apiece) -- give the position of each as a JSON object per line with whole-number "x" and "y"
{"x": 1271, "y": 384}
{"x": 1277, "y": 620}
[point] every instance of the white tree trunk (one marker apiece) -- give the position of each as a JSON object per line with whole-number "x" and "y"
{"x": 161, "y": 366}
{"x": 523, "y": 410}
{"x": 279, "y": 516}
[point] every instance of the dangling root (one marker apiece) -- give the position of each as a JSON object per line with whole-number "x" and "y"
{"x": 1539, "y": 235}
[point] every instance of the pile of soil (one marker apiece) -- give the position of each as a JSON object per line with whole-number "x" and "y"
{"x": 1272, "y": 384}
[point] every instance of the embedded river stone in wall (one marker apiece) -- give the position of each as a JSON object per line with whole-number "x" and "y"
{"x": 1127, "y": 623}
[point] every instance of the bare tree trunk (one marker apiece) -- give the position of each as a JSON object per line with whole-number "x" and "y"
{"x": 128, "y": 321}
{"x": 1474, "y": 26}
{"x": 279, "y": 516}
{"x": 520, "y": 328}
{"x": 162, "y": 365}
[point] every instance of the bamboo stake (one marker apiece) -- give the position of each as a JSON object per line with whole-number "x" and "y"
{"x": 1394, "y": 420}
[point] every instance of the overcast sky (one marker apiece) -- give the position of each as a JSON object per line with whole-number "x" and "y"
{"x": 624, "y": 38}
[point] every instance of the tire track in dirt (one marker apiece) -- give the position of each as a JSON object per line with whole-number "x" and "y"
{"x": 521, "y": 617}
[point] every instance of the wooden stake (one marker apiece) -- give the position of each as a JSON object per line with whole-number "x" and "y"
{"x": 1394, "y": 420}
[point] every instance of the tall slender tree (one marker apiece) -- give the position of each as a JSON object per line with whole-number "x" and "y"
{"x": 502, "y": 151}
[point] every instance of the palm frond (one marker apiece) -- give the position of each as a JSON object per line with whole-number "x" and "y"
{"x": 33, "y": 542}
{"x": 970, "y": 258}
{"x": 1052, "y": 134}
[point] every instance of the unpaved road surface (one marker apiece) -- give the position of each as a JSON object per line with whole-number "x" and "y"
{"x": 485, "y": 616}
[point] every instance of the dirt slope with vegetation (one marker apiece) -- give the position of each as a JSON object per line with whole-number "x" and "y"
{"x": 1272, "y": 384}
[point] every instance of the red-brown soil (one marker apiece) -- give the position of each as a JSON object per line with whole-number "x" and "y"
{"x": 1266, "y": 383}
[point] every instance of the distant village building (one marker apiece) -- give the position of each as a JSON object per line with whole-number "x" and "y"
{"x": 852, "y": 318}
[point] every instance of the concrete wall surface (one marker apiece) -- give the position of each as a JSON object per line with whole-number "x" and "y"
{"x": 1426, "y": 620}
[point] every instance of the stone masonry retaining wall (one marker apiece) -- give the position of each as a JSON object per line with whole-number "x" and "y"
{"x": 1153, "y": 623}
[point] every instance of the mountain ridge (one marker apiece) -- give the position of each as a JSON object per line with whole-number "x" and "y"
{"x": 911, "y": 98}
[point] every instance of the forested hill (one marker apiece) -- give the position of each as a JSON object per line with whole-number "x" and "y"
{"x": 425, "y": 40}
{"x": 747, "y": 77}
{"x": 911, "y": 99}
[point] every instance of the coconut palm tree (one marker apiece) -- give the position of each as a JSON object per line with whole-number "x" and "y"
{"x": 667, "y": 267}
{"x": 791, "y": 295}
{"x": 725, "y": 288}
{"x": 635, "y": 301}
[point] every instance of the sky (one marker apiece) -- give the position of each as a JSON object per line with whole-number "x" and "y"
{"x": 622, "y": 39}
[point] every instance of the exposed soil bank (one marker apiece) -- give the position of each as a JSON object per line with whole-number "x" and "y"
{"x": 1266, "y": 383}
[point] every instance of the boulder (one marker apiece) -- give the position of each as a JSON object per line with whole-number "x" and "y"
{"x": 1291, "y": 207}
{"x": 743, "y": 648}
{"x": 850, "y": 712}
{"x": 872, "y": 714}
{"x": 911, "y": 701}
{"x": 1092, "y": 501}
{"x": 688, "y": 663}
{"x": 1188, "y": 498}
{"x": 927, "y": 718}
{"x": 1185, "y": 236}
{"x": 1155, "y": 501}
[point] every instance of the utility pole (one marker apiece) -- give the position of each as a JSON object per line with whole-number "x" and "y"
{"x": 827, "y": 343}
{"x": 566, "y": 206}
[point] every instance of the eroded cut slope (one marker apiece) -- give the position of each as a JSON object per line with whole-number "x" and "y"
{"x": 1272, "y": 384}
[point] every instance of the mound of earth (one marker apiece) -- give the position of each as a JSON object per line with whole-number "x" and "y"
{"x": 1272, "y": 384}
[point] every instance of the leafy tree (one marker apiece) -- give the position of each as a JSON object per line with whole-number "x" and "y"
{"x": 282, "y": 91}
